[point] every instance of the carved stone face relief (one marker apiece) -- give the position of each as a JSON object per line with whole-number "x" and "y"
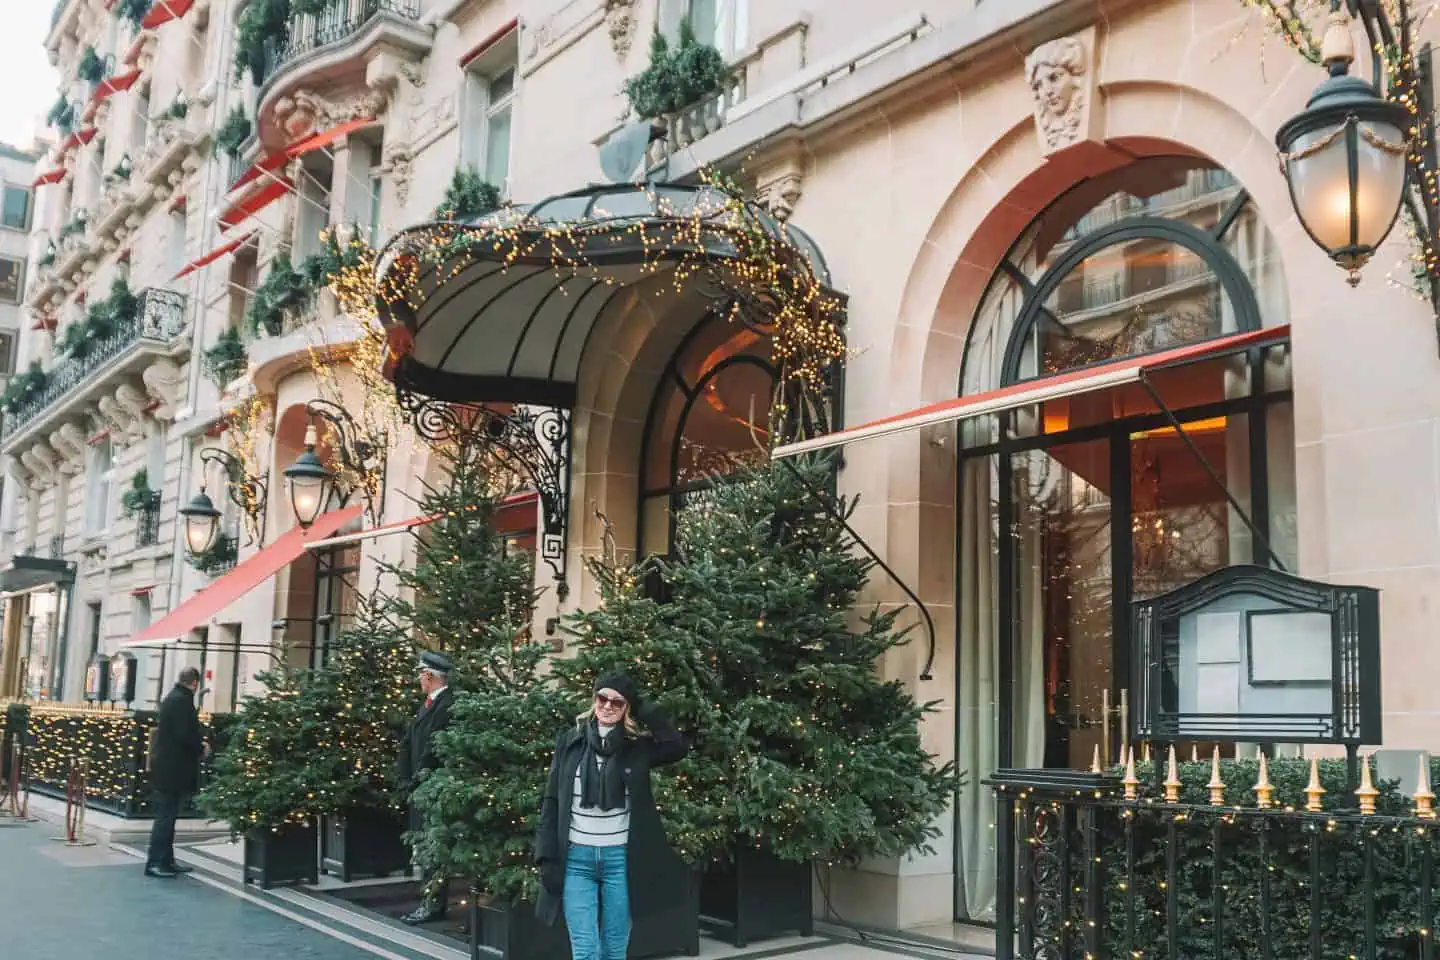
{"x": 1061, "y": 78}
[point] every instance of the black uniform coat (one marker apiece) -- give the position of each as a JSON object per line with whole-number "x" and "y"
{"x": 652, "y": 889}
{"x": 178, "y": 744}
{"x": 417, "y": 752}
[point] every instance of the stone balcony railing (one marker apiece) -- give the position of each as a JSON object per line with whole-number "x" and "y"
{"x": 159, "y": 320}
{"x": 340, "y": 21}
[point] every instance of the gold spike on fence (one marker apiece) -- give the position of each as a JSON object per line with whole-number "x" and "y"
{"x": 1131, "y": 782}
{"x": 1216, "y": 785}
{"x": 1264, "y": 789}
{"x": 1313, "y": 791}
{"x": 1366, "y": 792}
{"x": 1172, "y": 778}
{"x": 1095, "y": 763}
{"x": 1424, "y": 798}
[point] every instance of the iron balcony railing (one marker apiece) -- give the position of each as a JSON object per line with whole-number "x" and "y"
{"x": 147, "y": 521}
{"x": 338, "y": 22}
{"x": 159, "y": 318}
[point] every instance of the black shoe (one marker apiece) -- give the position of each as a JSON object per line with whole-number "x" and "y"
{"x": 152, "y": 870}
{"x": 423, "y": 914}
{"x": 181, "y": 868}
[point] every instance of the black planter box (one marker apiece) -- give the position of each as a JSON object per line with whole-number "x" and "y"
{"x": 511, "y": 931}
{"x": 502, "y": 931}
{"x": 364, "y": 843}
{"x": 286, "y": 855}
{"x": 757, "y": 896}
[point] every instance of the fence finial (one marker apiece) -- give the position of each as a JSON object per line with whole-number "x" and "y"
{"x": 1095, "y": 763}
{"x": 1424, "y": 797}
{"x": 1146, "y": 756}
{"x": 1131, "y": 782}
{"x": 1172, "y": 778}
{"x": 1216, "y": 785}
{"x": 1194, "y": 753}
{"x": 1313, "y": 790}
{"x": 1264, "y": 789}
{"x": 1366, "y": 792}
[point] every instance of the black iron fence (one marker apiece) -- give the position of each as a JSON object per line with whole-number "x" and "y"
{"x": 340, "y": 20}
{"x": 160, "y": 317}
{"x": 1308, "y": 867}
{"x": 147, "y": 521}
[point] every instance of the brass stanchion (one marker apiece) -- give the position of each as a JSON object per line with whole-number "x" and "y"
{"x": 76, "y": 830}
{"x": 68, "y": 835}
{"x": 19, "y": 786}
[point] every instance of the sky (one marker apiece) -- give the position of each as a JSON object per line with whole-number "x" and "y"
{"x": 27, "y": 81}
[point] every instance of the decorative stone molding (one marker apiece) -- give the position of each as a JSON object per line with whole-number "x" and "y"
{"x": 69, "y": 443}
{"x": 306, "y": 112}
{"x": 40, "y": 461}
{"x": 92, "y": 557}
{"x": 398, "y": 171}
{"x": 1062, "y": 77}
{"x": 165, "y": 382}
{"x": 116, "y": 420}
{"x": 131, "y": 403}
{"x": 620, "y": 21}
{"x": 779, "y": 183}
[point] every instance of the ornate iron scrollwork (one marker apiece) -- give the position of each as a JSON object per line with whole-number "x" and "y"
{"x": 360, "y": 457}
{"x": 535, "y": 441}
{"x": 246, "y": 491}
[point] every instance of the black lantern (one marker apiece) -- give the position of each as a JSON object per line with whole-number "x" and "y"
{"x": 310, "y": 483}
{"x": 1344, "y": 158}
{"x": 202, "y": 523}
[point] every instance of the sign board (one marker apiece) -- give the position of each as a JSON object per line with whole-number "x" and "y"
{"x": 123, "y": 677}
{"x": 1253, "y": 654}
{"x": 97, "y": 679}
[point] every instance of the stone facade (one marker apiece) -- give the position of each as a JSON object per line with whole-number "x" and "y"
{"x": 914, "y": 149}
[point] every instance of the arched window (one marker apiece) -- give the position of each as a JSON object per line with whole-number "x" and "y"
{"x": 709, "y": 420}
{"x": 1071, "y": 508}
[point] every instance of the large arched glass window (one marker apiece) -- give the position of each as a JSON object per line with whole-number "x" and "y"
{"x": 1071, "y": 508}
{"x": 709, "y": 420}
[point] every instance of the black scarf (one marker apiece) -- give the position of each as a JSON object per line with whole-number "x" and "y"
{"x": 602, "y": 782}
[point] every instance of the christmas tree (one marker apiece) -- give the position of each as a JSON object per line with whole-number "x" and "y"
{"x": 829, "y": 765}
{"x": 260, "y": 780}
{"x": 483, "y": 803}
{"x": 359, "y": 704}
{"x": 664, "y": 650}
{"x": 464, "y": 583}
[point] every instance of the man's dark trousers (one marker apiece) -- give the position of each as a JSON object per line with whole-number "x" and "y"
{"x": 162, "y": 831}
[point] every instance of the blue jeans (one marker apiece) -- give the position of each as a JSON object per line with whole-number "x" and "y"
{"x": 597, "y": 903}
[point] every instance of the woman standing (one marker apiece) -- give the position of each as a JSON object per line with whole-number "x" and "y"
{"x": 600, "y": 843}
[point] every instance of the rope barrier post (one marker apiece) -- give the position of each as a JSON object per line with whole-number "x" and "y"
{"x": 82, "y": 783}
{"x": 10, "y": 791}
{"x": 20, "y": 784}
{"x": 68, "y": 835}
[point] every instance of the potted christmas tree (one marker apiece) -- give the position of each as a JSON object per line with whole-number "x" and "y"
{"x": 258, "y": 786}
{"x": 363, "y": 698}
{"x": 829, "y": 766}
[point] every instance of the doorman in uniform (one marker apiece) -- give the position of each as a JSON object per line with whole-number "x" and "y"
{"x": 417, "y": 754}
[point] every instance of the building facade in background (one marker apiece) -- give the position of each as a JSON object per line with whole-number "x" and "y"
{"x": 1005, "y": 191}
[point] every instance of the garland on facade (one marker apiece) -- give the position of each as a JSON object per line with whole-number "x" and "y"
{"x": 1295, "y": 23}
{"x": 764, "y": 281}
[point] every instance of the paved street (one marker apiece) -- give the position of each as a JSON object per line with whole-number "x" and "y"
{"x": 59, "y": 903}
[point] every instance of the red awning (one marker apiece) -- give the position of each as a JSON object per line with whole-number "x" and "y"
{"x": 477, "y": 51}
{"x": 51, "y": 176}
{"x": 214, "y": 255}
{"x": 248, "y": 575}
{"x": 514, "y": 514}
{"x": 275, "y": 161}
{"x": 164, "y": 11}
{"x": 1086, "y": 380}
{"x": 255, "y": 201}
{"x": 113, "y": 85}
{"x": 78, "y": 139}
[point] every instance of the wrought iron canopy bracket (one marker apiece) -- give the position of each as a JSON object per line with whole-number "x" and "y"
{"x": 246, "y": 491}
{"x": 534, "y": 441}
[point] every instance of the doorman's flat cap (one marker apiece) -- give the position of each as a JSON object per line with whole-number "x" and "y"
{"x": 432, "y": 662}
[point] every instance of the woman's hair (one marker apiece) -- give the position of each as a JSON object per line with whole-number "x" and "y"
{"x": 631, "y": 727}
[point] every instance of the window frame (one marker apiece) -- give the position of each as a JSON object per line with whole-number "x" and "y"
{"x": 29, "y": 194}
{"x": 480, "y": 108}
{"x": 21, "y": 265}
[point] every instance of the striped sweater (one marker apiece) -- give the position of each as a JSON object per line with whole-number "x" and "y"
{"x": 592, "y": 827}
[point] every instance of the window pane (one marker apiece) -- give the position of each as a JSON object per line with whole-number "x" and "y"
{"x": 497, "y": 148}
{"x": 16, "y": 211}
{"x": 12, "y": 276}
{"x": 502, "y": 86}
{"x": 704, "y": 17}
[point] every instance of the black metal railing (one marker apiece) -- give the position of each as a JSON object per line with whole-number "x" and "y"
{"x": 147, "y": 521}
{"x": 57, "y": 547}
{"x": 340, "y": 20}
{"x": 1097, "y": 875}
{"x": 159, "y": 318}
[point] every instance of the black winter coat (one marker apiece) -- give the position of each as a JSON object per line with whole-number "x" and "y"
{"x": 417, "y": 750}
{"x": 651, "y": 865}
{"x": 178, "y": 744}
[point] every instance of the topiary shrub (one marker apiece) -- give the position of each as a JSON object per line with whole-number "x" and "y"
{"x": 468, "y": 196}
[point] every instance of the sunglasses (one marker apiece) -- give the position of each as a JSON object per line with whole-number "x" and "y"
{"x": 615, "y": 703}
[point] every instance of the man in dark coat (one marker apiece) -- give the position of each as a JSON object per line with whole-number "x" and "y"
{"x": 176, "y": 750}
{"x": 417, "y": 755}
